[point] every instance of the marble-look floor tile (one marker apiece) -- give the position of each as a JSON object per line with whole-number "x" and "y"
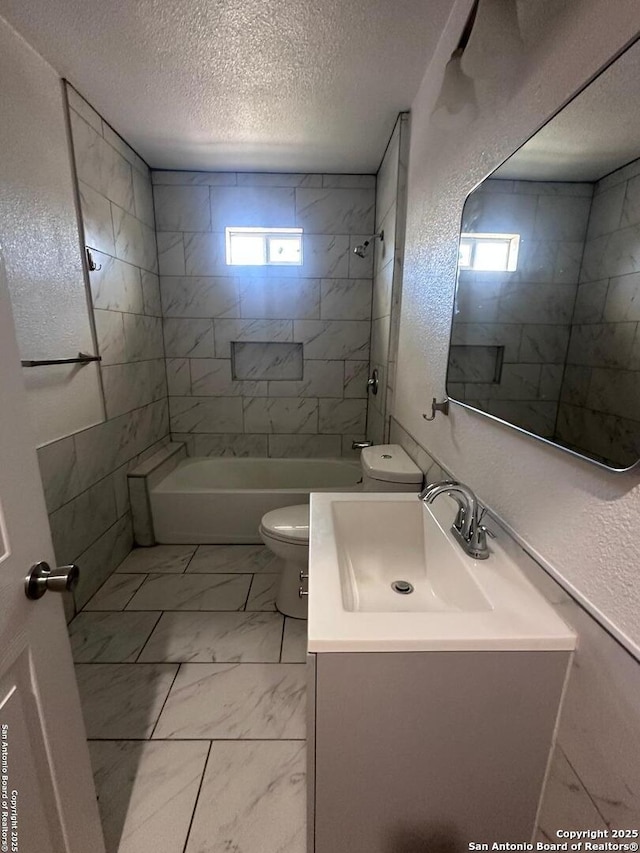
{"x": 252, "y": 799}
{"x": 123, "y": 700}
{"x": 236, "y": 702}
{"x": 262, "y": 595}
{"x": 566, "y": 802}
{"x": 147, "y": 793}
{"x": 159, "y": 558}
{"x": 115, "y": 593}
{"x": 192, "y": 592}
{"x": 110, "y": 637}
{"x": 232, "y": 558}
{"x": 294, "y": 643}
{"x": 215, "y": 638}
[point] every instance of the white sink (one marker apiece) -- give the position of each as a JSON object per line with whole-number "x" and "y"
{"x": 360, "y": 544}
{"x": 380, "y": 543}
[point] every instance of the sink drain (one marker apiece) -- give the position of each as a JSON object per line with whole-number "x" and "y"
{"x": 403, "y": 587}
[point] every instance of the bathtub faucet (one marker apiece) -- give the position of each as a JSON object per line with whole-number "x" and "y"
{"x": 467, "y": 528}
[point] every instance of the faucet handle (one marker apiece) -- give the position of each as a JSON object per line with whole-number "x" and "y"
{"x": 477, "y": 545}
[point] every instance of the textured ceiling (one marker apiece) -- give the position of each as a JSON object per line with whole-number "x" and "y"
{"x": 593, "y": 135}
{"x": 280, "y": 85}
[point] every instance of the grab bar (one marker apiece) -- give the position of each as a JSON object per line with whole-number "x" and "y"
{"x": 81, "y": 358}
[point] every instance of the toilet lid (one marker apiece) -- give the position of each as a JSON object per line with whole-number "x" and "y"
{"x": 290, "y": 523}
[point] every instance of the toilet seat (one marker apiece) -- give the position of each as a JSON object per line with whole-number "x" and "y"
{"x": 288, "y": 524}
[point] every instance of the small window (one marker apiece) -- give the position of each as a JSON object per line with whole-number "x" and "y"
{"x": 264, "y": 246}
{"x": 489, "y": 252}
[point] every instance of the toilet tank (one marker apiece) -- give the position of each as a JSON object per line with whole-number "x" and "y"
{"x": 388, "y": 468}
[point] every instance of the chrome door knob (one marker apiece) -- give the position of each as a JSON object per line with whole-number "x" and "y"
{"x": 42, "y": 577}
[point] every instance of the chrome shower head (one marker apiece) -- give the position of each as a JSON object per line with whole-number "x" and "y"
{"x": 361, "y": 250}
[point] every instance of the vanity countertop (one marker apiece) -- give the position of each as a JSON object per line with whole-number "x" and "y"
{"x": 462, "y": 604}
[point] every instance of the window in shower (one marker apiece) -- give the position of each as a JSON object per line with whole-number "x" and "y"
{"x": 489, "y": 252}
{"x": 264, "y": 246}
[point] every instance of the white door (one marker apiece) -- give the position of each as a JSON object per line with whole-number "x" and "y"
{"x": 47, "y": 798}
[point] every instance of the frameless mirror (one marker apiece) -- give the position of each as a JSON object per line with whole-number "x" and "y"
{"x": 545, "y": 331}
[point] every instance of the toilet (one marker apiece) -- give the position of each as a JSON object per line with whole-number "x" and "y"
{"x": 285, "y": 531}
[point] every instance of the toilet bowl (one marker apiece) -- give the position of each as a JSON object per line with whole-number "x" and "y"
{"x": 285, "y": 531}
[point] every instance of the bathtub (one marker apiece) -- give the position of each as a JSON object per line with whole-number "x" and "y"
{"x": 221, "y": 500}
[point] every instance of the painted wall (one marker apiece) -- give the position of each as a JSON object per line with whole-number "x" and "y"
{"x": 85, "y": 473}
{"x": 40, "y": 242}
{"x": 579, "y": 520}
{"x": 325, "y": 305}
{"x": 387, "y": 282}
{"x": 600, "y": 407}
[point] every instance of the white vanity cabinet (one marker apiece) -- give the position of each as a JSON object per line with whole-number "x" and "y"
{"x": 425, "y": 752}
{"x": 435, "y": 681}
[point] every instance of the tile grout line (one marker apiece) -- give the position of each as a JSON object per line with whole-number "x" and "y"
{"x": 195, "y": 551}
{"x": 246, "y": 601}
{"x": 197, "y": 799}
{"x": 152, "y": 732}
{"x": 160, "y": 615}
{"x": 284, "y": 622}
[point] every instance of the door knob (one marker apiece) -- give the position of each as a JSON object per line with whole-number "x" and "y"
{"x": 41, "y": 578}
{"x": 372, "y": 383}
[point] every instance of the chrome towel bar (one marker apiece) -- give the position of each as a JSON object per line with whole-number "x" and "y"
{"x": 81, "y": 358}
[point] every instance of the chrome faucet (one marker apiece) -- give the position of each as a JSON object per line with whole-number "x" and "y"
{"x": 467, "y": 526}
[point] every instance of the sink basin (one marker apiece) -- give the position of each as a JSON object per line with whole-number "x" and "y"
{"x": 381, "y": 543}
{"x": 363, "y": 543}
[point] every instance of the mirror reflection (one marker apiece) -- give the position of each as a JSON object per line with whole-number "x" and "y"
{"x": 545, "y": 326}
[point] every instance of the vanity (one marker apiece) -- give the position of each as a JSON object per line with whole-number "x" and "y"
{"x": 435, "y": 682}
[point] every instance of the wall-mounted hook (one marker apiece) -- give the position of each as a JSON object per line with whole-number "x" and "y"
{"x": 91, "y": 264}
{"x": 437, "y": 407}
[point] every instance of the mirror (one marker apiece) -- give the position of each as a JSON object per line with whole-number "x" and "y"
{"x": 545, "y": 327}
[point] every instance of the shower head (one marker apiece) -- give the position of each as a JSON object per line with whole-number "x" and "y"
{"x": 361, "y": 250}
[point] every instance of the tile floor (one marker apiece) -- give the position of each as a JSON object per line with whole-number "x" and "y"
{"x": 193, "y": 693}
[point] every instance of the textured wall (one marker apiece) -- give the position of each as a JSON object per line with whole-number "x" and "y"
{"x": 325, "y": 305}
{"x": 40, "y": 242}
{"x": 85, "y": 474}
{"x": 580, "y": 520}
{"x": 601, "y": 387}
{"x": 528, "y": 311}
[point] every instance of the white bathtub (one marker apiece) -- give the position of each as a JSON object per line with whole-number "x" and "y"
{"x": 221, "y": 500}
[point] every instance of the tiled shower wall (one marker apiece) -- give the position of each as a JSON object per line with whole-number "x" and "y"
{"x": 84, "y": 474}
{"x": 387, "y": 281}
{"x": 527, "y": 312}
{"x": 594, "y": 778}
{"x": 324, "y": 305}
{"x": 600, "y": 408}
